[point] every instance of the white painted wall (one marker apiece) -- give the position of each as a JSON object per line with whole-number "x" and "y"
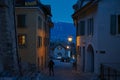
{"x": 105, "y": 41}
{"x": 102, "y": 40}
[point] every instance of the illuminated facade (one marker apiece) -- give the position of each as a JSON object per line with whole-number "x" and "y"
{"x": 98, "y": 33}
{"x": 33, "y": 21}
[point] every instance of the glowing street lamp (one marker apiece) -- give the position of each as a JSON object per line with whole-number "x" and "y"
{"x": 70, "y": 39}
{"x": 68, "y": 47}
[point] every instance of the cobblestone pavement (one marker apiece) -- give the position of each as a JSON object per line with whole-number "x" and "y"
{"x": 64, "y": 71}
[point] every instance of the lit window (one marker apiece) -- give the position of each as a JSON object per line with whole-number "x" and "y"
{"x": 21, "y": 40}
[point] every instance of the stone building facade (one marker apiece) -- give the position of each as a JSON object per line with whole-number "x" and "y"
{"x": 33, "y": 21}
{"x": 8, "y": 48}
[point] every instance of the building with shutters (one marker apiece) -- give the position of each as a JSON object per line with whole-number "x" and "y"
{"x": 97, "y": 34}
{"x": 33, "y": 21}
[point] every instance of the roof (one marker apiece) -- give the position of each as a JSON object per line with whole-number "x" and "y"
{"x": 46, "y": 8}
{"x": 34, "y": 3}
{"x": 60, "y": 44}
{"x": 86, "y": 6}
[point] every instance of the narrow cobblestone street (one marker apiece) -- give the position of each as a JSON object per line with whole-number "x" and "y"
{"x": 64, "y": 71}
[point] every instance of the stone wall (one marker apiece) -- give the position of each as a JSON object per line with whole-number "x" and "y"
{"x": 8, "y": 59}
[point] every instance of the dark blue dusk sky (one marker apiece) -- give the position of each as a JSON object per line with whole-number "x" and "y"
{"x": 61, "y": 9}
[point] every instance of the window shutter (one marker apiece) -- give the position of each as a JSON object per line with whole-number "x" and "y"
{"x": 118, "y": 24}
{"x": 113, "y": 25}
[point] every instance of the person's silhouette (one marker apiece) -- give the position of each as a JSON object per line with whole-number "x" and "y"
{"x": 51, "y": 67}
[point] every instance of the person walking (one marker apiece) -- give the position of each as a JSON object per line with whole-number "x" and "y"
{"x": 51, "y": 67}
{"x": 75, "y": 65}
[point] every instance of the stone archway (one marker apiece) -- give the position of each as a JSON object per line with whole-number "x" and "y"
{"x": 90, "y": 59}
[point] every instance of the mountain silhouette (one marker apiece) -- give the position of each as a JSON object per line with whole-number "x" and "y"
{"x": 62, "y": 30}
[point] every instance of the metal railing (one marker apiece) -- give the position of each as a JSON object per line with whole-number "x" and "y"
{"x": 110, "y": 72}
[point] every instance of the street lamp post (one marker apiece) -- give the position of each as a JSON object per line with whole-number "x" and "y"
{"x": 69, "y": 42}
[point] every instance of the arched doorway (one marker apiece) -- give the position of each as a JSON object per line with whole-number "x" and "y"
{"x": 90, "y": 59}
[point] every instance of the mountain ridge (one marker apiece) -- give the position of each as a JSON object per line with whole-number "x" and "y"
{"x": 62, "y": 30}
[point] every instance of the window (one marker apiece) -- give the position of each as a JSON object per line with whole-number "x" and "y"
{"x": 81, "y": 28}
{"x": 115, "y": 24}
{"x": 39, "y": 22}
{"x": 39, "y": 41}
{"x": 90, "y": 26}
{"x": 22, "y": 40}
{"x": 21, "y": 21}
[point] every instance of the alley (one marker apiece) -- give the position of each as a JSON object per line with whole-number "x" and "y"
{"x": 64, "y": 71}
{"x": 83, "y": 31}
